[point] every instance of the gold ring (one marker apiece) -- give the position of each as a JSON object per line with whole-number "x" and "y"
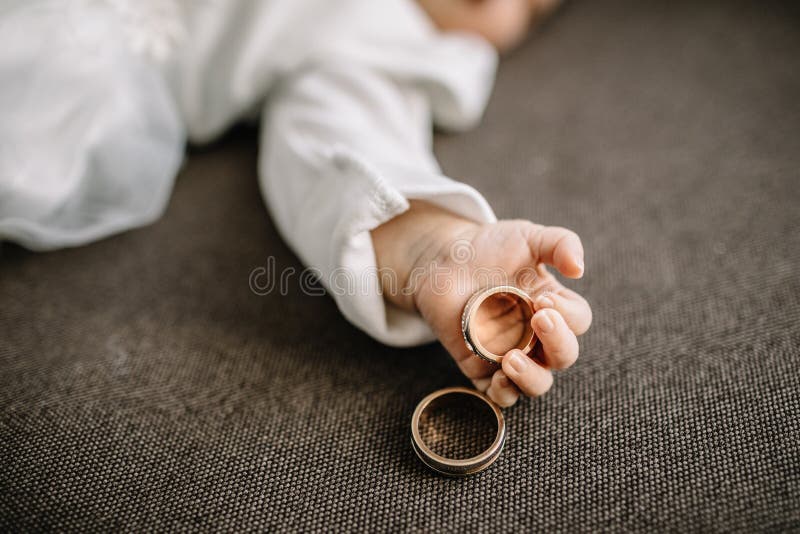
{"x": 453, "y": 466}
{"x": 471, "y": 329}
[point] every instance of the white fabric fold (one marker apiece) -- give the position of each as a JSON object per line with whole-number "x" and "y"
{"x": 90, "y": 140}
{"x": 94, "y": 126}
{"x": 329, "y": 181}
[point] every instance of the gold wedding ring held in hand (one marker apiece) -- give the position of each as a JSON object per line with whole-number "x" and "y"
{"x": 425, "y": 412}
{"x": 486, "y": 307}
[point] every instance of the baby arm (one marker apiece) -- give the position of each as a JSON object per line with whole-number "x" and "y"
{"x": 343, "y": 148}
{"x": 343, "y": 152}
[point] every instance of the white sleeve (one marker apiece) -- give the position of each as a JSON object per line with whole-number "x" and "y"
{"x": 343, "y": 149}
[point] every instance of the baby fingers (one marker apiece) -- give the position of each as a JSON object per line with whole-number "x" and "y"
{"x": 501, "y": 390}
{"x": 530, "y": 377}
{"x": 559, "y": 344}
{"x": 572, "y": 307}
{"x": 558, "y": 247}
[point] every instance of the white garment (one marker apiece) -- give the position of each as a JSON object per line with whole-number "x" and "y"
{"x": 93, "y": 129}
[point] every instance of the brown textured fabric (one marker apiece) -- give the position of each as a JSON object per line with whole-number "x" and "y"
{"x": 142, "y": 384}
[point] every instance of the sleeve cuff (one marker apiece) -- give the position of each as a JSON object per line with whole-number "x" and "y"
{"x": 377, "y": 198}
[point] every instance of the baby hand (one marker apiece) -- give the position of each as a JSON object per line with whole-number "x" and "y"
{"x": 444, "y": 259}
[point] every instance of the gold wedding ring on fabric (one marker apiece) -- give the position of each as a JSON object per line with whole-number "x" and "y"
{"x": 426, "y": 437}
{"x": 500, "y": 300}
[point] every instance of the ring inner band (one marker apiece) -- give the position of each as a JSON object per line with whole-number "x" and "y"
{"x": 486, "y": 310}
{"x": 425, "y": 449}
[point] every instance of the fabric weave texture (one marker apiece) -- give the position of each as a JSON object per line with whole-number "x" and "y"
{"x": 144, "y": 385}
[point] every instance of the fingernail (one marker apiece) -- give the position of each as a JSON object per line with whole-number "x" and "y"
{"x": 579, "y": 263}
{"x": 544, "y": 302}
{"x": 544, "y": 323}
{"x": 517, "y": 361}
{"x": 502, "y": 379}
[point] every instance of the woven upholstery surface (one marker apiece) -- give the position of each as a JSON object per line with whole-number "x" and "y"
{"x": 143, "y": 384}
